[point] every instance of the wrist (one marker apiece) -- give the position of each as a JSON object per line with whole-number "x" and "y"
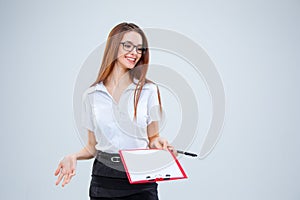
{"x": 153, "y": 137}
{"x": 73, "y": 156}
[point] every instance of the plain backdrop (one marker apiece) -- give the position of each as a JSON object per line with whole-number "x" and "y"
{"x": 254, "y": 44}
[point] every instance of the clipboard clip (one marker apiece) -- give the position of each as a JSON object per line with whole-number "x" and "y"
{"x": 158, "y": 177}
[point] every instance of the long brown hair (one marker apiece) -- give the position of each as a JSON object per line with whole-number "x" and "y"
{"x": 110, "y": 57}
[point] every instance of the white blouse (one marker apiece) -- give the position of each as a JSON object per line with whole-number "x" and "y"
{"x": 113, "y": 124}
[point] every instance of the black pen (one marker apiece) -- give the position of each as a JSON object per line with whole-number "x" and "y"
{"x": 187, "y": 153}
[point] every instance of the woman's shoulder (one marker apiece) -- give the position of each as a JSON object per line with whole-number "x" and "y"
{"x": 89, "y": 91}
{"x": 150, "y": 86}
{"x": 93, "y": 88}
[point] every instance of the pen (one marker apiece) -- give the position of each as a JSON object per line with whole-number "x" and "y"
{"x": 187, "y": 153}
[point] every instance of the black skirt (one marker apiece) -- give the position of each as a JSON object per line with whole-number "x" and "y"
{"x": 109, "y": 182}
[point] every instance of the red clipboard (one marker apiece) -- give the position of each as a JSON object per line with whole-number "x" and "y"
{"x": 151, "y": 165}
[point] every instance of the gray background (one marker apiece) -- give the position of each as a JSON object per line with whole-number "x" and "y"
{"x": 254, "y": 44}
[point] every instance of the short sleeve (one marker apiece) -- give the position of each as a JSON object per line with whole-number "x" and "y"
{"x": 87, "y": 116}
{"x": 153, "y": 106}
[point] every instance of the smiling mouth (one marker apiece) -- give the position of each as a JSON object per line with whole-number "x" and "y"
{"x": 130, "y": 59}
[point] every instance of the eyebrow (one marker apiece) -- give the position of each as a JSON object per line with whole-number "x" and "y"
{"x": 133, "y": 43}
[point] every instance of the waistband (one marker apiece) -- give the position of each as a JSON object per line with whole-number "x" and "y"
{"x": 108, "y": 157}
{"x": 112, "y": 161}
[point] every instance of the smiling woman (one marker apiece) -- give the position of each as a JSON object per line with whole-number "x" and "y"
{"x": 128, "y": 46}
{"x": 123, "y": 72}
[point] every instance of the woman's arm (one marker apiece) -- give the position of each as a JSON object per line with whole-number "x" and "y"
{"x": 67, "y": 167}
{"x": 155, "y": 141}
{"x": 89, "y": 151}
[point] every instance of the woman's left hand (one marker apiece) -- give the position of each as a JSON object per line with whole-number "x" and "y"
{"x": 159, "y": 143}
{"x": 162, "y": 143}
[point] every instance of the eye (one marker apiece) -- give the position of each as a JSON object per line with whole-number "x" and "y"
{"x": 127, "y": 45}
{"x": 140, "y": 48}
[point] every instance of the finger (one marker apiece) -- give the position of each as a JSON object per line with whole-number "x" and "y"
{"x": 64, "y": 181}
{"x": 175, "y": 153}
{"x": 165, "y": 145}
{"x": 171, "y": 148}
{"x": 158, "y": 145}
{"x": 73, "y": 173}
{"x": 67, "y": 179}
{"x": 59, "y": 178}
{"x": 71, "y": 176}
{"x": 57, "y": 170}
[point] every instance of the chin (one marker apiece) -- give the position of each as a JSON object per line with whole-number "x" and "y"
{"x": 129, "y": 65}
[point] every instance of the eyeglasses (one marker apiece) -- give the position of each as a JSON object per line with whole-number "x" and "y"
{"x": 128, "y": 46}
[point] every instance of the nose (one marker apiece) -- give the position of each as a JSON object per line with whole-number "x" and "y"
{"x": 134, "y": 50}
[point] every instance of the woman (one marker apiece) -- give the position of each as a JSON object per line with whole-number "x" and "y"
{"x": 123, "y": 71}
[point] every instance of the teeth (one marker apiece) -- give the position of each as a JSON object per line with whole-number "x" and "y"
{"x": 132, "y": 59}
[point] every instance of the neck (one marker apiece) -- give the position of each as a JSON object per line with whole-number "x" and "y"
{"x": 118, "y": 75}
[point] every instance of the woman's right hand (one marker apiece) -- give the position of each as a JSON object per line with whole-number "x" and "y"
{"x": 66, "y": 169}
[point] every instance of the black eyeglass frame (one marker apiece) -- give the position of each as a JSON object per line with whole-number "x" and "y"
{"x": 143, "y": 49}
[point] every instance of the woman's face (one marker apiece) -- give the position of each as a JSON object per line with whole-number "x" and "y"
{"x": 129, "y": 52}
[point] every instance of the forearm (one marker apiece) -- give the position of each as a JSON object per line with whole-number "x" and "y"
{"x": 86, "y": 153}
